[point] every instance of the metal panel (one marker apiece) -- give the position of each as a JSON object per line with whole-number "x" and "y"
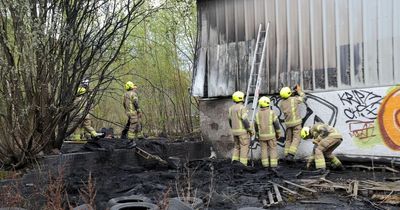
{"x": 201, "y": 60}
{"x": 243, "y": 65}
{"x": 259, "y": 13}
{"x": 304, "y": 27}
{"x": 396, "y": 41}
{"x": 370, "y": 27}
{"x": 356, "y": 37}
{"x": 272, "y": 48}
{"x": 239, "y": 20}
{"x": 259, "y": 8}
{"x": 221, "y": 80}
{"x": 200, "y": 74}
{"x": 317, "y": 44}
{"x": 385, "y": 41}
{"x": 249, "y": 19}
{"x": 281, "y": 35}
{"x": 212, "y": 23}
{"x": 293, "y": 64}
{"x": 230, "y": 21}
{"x": 326, "y": 44}
{"x": 221, "y": 22}
{"x": 330, "y": 44}
{"x": 232, "y": 58}
{"x": 213, "y": 73}
{"x": 343, "y": 39}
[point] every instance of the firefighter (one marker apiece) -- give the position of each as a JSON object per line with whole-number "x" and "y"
{"x": 289, "y": 105}
{"x": 86, "y": 125}
{"x": 240, "y": 127}
{"x": 132, "y": 110}
{"x": 326, "y": 139}
{"x": 267, "y": 129}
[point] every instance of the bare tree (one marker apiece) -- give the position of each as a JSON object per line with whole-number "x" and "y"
{"x": 46, "y": 48}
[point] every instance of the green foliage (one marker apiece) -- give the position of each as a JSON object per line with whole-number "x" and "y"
{"x": 158, "y": 57}
{"x": 46, "y": 49}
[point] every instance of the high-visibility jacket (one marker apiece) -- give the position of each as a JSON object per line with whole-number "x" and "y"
{"x": 321, "y": 131}
{"x": 131, "y": 104}
{"x": 80, "y": 104}
{"x": 238, "y": 119}
{"x": 291, "y": 111}
{"x": 267, "y": 124}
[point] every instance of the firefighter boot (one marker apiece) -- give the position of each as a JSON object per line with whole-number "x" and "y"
{"x": 290, "y": 159}
{"x": 320, "y": 171}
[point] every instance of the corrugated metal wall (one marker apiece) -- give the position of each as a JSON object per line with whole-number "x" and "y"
{"x": 321, "y": 44}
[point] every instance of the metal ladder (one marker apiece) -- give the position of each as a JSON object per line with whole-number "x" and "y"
{"x": 255, "y": 80}
{"x": 255, "y": 75}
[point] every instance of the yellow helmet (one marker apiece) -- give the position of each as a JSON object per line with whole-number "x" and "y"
{"x": 238, "y": 96}
{"x": 129, "y": 85}
{"x": 264, "y": 102}
{"x": 81, "y": 91}
{"x": 286, "y": 92}
{"x": 305, "y": 132}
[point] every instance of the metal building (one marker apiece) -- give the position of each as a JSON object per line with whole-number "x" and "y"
{"x": 320, "y": 44}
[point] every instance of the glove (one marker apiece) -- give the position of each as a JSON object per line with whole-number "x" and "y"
{"x": 298, "y": 88}
{"x": 250, "y": 132}
{"x": 278, "y": 135}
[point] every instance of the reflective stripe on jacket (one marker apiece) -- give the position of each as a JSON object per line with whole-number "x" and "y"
{"x": 80, "y": 104}
{"x": 290, "y": 109}
{"x": 266, "y": 124}
{"x": 321, "y": 131}
{"x": 237, "y": 114}
{"x": 129, "y": 103}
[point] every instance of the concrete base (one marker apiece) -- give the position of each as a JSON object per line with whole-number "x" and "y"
{"x": 215, "y": 127}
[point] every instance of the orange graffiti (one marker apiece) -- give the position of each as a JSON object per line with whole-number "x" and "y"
{"x": 389, "y": 119}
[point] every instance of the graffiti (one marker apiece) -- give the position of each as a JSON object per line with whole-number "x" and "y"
{"x": 320, "y": 110}
{"x": 328, "y": 111}
{"x": 389, "y": 119}
{"x": 362, "y": 130}
{"x": 360, "y": 104}
{"x": 315, "y": 110}
{"x": 369, "y": 117}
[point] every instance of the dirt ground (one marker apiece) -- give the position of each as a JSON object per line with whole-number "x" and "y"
{"x": 232, "y": 186}
{"x": 218, "y": 183}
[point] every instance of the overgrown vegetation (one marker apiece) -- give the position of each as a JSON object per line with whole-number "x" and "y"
{"x": 159, "y": 60}
{"x": 48, "y": 47}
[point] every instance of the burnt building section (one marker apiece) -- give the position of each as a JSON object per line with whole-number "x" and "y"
{"x": 329, "y": 47}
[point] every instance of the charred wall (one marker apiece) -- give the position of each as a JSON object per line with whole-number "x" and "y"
{"x": 322, "y": 45}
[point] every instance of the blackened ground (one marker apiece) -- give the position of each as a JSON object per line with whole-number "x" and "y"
{"x": 232, "y": 185}
{"x": 218, "y": 183}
